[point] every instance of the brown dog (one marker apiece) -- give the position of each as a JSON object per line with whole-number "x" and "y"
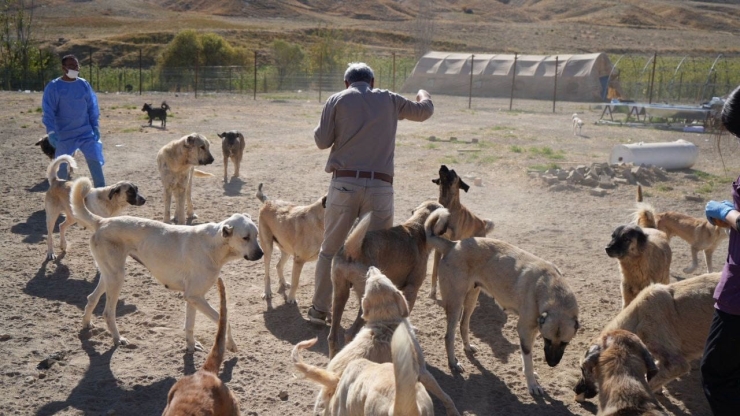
{"x": 520, "y": 282}
{"x": 385, "y": 309}
{"x": 203, "y": 393}
{"x": 463, "y": 223}
{"x": 298, "y": 231}
{"x": 673, "y": 321}
{"x": 176, "y": 161}
{"x": 619, "y": 363}
{"x": 232, "y": 146}
{"x": 698, "y": 232}
{"x": 401, "y": 252}
{"x": 644, "y": 257}
{"x": 106, "y": 202}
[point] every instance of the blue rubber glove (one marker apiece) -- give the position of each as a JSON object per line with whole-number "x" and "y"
{"x": 718, "y": 210}
{"x": 96, "y": 133}
{"x": 53, "y": 139}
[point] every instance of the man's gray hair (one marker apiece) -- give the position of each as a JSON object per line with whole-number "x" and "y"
{"x": 358, "y": 72}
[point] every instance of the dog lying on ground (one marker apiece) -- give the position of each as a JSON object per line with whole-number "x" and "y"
{"x": 106, "y": 202}
{"x": 644, "y": 257}
{"x": 619, "y": 363}
{"x": 698, "y": 232}
{"x": 463, "y": 223}
{"x": 520, "y": 282}
{"x": 176, "y": 161}
{"x": 160, "y": 113}
{"x": 673, "y": 321}
{"x": 385, "y": 309}
{"x": 400, "y": 251}
{"x": 298, "y": 230}
{"x": 577, "y": 125}
{"x": 182, "y": 258}
{"x": 46, "y": 146}
{"x": 232, "y": 146}
{"x": 203, "y": 393}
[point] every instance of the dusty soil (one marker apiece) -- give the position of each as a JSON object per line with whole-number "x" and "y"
{"x": 43, "y": 301}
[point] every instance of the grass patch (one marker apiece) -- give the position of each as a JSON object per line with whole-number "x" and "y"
{"x": 547, "y": 152}
{"x": 516, "y": 149}
{"x": 712, "y": 183}
{"x": 664, "y": 188}
{"x": 431, "y": 146}
{"x": 39, "y": 110}
{"x": 131, "y": 130}
{"x": 546, "y": 166}
{"x": 449, "y": 160}
{"x": 488, "y": 160}
{"x": 24, "y": 126}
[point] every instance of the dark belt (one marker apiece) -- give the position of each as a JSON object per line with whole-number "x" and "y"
{"x": 362, "y": 174}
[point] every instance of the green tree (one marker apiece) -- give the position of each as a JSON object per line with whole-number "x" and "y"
{"x": 16, "y": 41}
{"x": 327, "y": 53}
{"x": 288, "y": 59}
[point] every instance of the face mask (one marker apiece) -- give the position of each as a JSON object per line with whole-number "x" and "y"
{"x": 71, "y": 73}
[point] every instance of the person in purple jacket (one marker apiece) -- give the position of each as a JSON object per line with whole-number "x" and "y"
{"x": 70, "y": 115}
{"x": 720, "y": 366}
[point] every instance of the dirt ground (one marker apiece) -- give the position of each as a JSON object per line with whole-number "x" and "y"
{"x": 43, "y": 301}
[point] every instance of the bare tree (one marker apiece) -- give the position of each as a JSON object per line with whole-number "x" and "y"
{"x": 423, "y": 28}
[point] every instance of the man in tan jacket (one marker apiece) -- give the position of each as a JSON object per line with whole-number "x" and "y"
{"x": 359, "y": 124}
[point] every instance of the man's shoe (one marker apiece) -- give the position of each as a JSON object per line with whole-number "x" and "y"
{"x": 317, "y": 317}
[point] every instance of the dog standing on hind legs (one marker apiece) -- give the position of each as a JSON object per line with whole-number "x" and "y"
{"x": 232, "y": 147}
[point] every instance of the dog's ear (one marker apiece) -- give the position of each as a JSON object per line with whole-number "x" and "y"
{"x": 577, "y": 325}
{"x": 541, "y": 319}
{"x": 323, "y": 201}
{"x": 114, "y": 191}
{"x": 403, "y": 306}
{"x": 227, "y": 231}
{"x": 464, "y": 186}
{"x": 436, "y": 181}
{"x": 652, "y": 369}
{"x": 249, "y": 217}
{"x": 190, "y": 141}
{"x": 590, "y": 361}
{"x": 221, "y": 135}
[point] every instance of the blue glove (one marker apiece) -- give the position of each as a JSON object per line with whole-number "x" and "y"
{"x": 718, "y": 210}
{"x": 96, "y": 133}
{"x": 53, "y": 139}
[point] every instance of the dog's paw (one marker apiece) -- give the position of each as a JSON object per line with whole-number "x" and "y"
{"x": 196, "y": 346}
{"x": 433, "y": 295}
{"x": 290, "y": 300}
{"x": 535, "y": 389}
{"x": 283, "y": 286}
{"x": 267, "y": 295}
{"x": 689, "y": 270}
{"x": 231, "y": 346}
{"x": 456, "y": 367}
{"x": 51, "y": 256}
{"x": 121, "y": 341}
{"x": 471, "y": 348}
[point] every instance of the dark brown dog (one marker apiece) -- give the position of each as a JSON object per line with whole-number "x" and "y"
{"x": 46, "y": 146}
{"x": 462, "y": 223}
{"x": 160, "y": 113}
{"x": 203, "y": 393}
{"x": 232, "y": 146}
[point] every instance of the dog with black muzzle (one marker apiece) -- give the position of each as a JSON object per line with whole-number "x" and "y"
{"x": 232, "y": 146}
{"x": 157, "y": 113}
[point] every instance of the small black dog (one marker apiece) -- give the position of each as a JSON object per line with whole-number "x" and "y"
{"x": 46, "y": 146}
{"x": 160, "y": 113}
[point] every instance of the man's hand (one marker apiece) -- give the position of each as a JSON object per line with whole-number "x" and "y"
{"x": 96, "y": 133}
{"x": 53, "y": 139}
{"x": 718, "y": 210}
{"x": 422, "y": 95}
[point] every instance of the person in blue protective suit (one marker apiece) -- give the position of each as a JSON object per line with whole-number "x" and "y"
{"x": 70, "y": 114}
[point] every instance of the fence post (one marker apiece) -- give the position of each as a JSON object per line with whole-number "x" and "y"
{"x": 394, "y": 72}
{"x": 652, "y": 78}
{"x": 513, "y": 81}
{"x": 321, "y": 70}
{"x": 196, "y": 76}
{"x": 254, "y": 95}
{"x": 91, "y": 73}
{"x": 470, "y": 84}
{"x": 555, "y": 89}
{"x": 139, "y": 71}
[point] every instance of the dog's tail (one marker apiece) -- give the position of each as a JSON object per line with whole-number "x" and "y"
{"x": 316, "y": 374}
{"x": 51, "y": 171}
{"x": 639, "y": 193}
{"x": 353, "y": 242}
{"x": 644, "y": 215}
{"x": 435, "y": 226}
{"x": 80, "y": 188}
{"x": 197, "y": 173}
{"x": 165, "y": 106}
{"x": 406, "y": 372}
{"x": 262, "y": 197}
{"x": 216, "y": 356}
{"x": 489, "y": 226}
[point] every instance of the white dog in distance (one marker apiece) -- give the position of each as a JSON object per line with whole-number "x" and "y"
{"x": 577, "y": 125}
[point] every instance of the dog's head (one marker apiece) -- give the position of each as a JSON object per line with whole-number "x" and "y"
{"x": 147, "y": 107}
{"x": 46, "y": 146}
{"x": 240, "y": 234}
{"x": 382, "y": 301}
{"x": 449, "y": 182}
{"x": 627, "y": 240}
{"x": 230, "y": 138}
{"x": 198, "y": 149}
{"x": 557, "y": 326}
{"x": 420, "y": 214}
{"x": 128, "y": 193}
{"x": 575, "y": 116}
{"x": 617, "y": 347}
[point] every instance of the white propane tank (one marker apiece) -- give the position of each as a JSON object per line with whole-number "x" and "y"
{"x": 680, "y": 154}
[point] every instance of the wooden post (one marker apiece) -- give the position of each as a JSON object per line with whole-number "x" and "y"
{"x": 555, "y": 89}
{"x": 513, "y": 82}
{"x": 254, "y": 94}
{"x": 652, "y": 78}
{"x": 394, "y": 72}
{"x": 470, "y": 84}
{"x": 321, "y": 70}
{"x": 139, "y": 71}
{"x": 91, "y": 73}
{"x": 196, "y": 76}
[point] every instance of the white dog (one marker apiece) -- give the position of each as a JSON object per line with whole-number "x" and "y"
{"x": 183, "y": 258}
{"x": 577, "y": 125}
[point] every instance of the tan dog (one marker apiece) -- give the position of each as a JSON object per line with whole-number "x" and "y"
{"x": 232, "y": 146}
{"x": 106, "y": 202}
{"x": 385, "y": 309}
{"x": 520, "y": 282}
{"x": 698, "y": 232}
{"x": 619, "y": 363}
{"x": 463, "y": 223}
{"x": 400, "y": 251}
{"x": 182, "y": 258}
{"x": 644, "y": 257}
{"x": 673, "y": 321}
{"x": 298, "y": 230}
{"x": 203, "y": 393}
{"x": 176, "y": 162}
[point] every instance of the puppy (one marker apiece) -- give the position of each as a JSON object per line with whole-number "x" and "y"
{"x": 577, "y": 125}
{"x": 232, "y": 146}
{"x": 385, "y": 309}
{"x": 46, "y": 146}
{"x": 698, "y": 232}
{"x": 203, "y": 393}
{"x": 644, "y": 257}
{"x": 463, "y": 223}
{"x": 106, "y": 202}
{"x": 176, "y": 161}
{"x": 619, "y": 362}
{"x": 401, "y": 252}
{"x": 186, "y": 259}
{"x": 520, "y": 283}
{"x": 298, "y": 230}
{"x": 673, "y": 321}
{"x": 160, "y": 113}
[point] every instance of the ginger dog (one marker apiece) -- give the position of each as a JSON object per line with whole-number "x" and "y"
{"x": 203, "y": 393}
{"x": 232, "y": 147}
